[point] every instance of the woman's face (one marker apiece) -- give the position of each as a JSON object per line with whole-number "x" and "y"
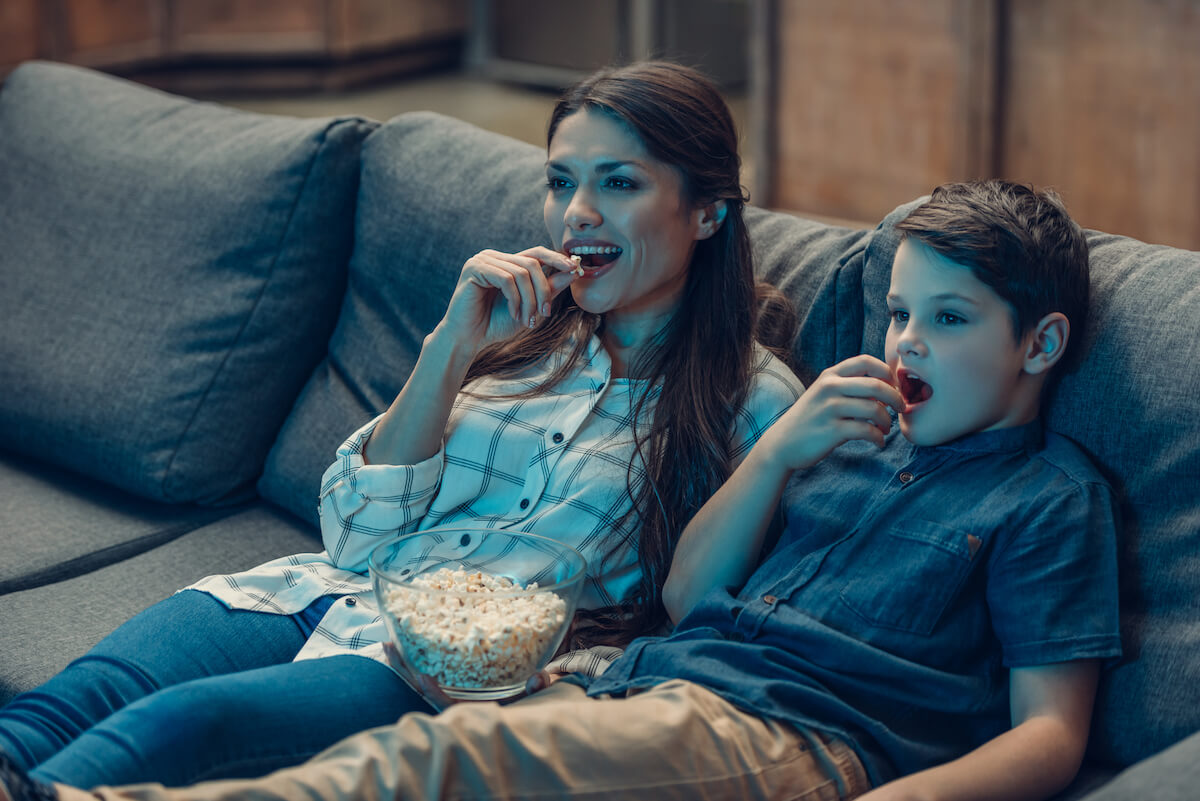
{"x": 623, "y": 212}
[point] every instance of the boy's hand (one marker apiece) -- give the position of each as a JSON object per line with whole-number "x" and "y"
{"x": 847, "y": 402}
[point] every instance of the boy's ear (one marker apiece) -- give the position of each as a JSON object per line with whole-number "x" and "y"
{"x": 1047, "y": 343}
{"x": 710, "y": 218}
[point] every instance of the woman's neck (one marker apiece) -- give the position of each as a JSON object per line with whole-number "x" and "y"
{"x": 626, "y": 336}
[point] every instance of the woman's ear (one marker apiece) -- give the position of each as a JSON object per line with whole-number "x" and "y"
{"x": 709, "y": 219}
{"x": 1047, "y": 343}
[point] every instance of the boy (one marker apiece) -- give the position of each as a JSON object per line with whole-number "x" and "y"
{"x": 930, "y": 622}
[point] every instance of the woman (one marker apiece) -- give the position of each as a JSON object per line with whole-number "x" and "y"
{"x": 599, "y": 399}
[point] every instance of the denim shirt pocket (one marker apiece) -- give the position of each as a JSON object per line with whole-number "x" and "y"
{"x": 904, "y": 576}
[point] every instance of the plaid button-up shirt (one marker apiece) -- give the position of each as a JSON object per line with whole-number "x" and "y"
{"x": 555, "y": 464}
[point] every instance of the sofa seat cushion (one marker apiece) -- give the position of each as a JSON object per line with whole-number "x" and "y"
{"x": 169, "y": 274}
{"x": 58, "y": 524}
{"x": 73, "y": 615}
{"x": 1131, "y": 404}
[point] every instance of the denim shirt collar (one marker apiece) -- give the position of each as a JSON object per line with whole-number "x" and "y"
{"x": 1028, "y": 437}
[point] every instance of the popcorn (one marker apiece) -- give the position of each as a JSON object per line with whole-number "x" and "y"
{"x": 578, "y": 269}
{"x": 490, "y": 640}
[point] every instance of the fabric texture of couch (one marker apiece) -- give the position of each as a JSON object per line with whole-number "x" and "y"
{"x": 198, "y": 304}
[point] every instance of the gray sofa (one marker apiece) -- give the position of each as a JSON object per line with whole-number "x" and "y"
{"x": 198, "y": 304}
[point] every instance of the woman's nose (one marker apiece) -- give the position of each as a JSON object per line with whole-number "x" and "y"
{"x": 581, "y": 212}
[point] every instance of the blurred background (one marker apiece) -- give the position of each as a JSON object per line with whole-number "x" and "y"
{"x": 847, "y": 107}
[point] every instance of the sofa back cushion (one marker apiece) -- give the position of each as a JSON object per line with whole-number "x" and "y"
{"x": 1132, "y": 405}
{"x": 170, "y": 272}
{"x": 434, "y": 192}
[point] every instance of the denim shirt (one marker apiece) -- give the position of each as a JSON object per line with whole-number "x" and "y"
{"x": 905, "y": 584}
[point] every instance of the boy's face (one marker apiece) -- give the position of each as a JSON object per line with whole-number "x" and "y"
{"x": 952, "y": 352}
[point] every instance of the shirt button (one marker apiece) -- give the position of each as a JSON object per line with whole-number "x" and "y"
{"x": 524, "y": 503}
{"x": 600, "y": 388}
{"x": 769, "y": 600}
{"x": 558, "y": 437}
{"x": 351, "y": 601}
{"x": 906, "y": 477}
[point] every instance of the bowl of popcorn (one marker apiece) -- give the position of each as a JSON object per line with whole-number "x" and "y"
{"x": 478, "y": 610}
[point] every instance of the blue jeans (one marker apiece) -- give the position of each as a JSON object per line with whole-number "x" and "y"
{"x": 190, "y": 690}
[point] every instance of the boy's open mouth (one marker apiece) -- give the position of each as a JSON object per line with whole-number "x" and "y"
{"x": 593, "y": 256}
{"x": 912, "y": 387}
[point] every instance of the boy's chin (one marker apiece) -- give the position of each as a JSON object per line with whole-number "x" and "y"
{"x": 921, "y": 436}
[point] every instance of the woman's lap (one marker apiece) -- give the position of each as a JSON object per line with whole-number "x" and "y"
{"x": 235, "y": 726}
{"x": 147, "y": 702}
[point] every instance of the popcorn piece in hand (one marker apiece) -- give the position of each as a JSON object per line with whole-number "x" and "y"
{"x": 578, "y": 266}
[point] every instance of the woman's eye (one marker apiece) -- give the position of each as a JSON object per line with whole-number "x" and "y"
{"x": 950, "y": 318}
{"x": 617, "y": 182}
{"x": 554, "y": 182}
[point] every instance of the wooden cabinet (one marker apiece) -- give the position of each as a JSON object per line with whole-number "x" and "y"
{"x": 1103, "y": 102}
{"x": 237, "y": 44}
{"x": 863, "y": 104}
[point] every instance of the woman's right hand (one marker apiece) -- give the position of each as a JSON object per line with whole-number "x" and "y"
{"x": 500, "y": 294}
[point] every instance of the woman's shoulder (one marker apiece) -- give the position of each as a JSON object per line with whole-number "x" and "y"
{"x": 771, "y": 377}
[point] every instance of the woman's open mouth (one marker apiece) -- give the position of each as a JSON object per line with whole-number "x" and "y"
{"x": 913, "y": 388}
{"x": 593, "y": 257}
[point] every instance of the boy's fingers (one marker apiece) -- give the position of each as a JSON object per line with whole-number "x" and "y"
{"x": 864, "y": 365}
{"x": 859, "y": 386}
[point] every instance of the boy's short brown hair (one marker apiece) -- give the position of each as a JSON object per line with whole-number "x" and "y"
{"x": 1018, "y": 240}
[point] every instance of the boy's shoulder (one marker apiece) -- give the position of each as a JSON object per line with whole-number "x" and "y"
{"x": 1069, "y": 458}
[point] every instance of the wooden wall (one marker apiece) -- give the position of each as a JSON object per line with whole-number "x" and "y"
{"x": 237, "y": 44}
{"x": 869, "y": 103}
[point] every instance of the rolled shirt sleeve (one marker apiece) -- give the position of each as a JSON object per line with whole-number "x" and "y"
{"x": 362, "y": 504}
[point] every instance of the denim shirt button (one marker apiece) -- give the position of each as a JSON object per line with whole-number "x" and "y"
{"x": 769, "y": 600}
{"x": 906, "y": 477}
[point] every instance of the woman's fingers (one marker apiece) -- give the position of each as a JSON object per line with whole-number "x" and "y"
{"x": 532, "y": 288}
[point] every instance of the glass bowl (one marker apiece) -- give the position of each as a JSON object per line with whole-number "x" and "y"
{"x": 479, "y": 610}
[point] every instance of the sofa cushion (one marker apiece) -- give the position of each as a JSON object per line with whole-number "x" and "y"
{"x": 169, "y": 274}
{"x": 434, "y": 192}
{"x": 58, "y": 524}
{"x": 73, "y": 615}
{"x": 69, "y": 617}
{"x": 1132, "y": 405}
{"x": 819, "y": 267}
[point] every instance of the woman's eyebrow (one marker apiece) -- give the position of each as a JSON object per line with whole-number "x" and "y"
{"x": 612, "y": 166}
{"x": 603, "y": 168}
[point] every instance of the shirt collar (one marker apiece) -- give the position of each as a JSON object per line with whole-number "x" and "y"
{"x": 1000, "y": 440}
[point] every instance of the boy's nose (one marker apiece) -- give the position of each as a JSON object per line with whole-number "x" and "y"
{"x": 911, "y": 344}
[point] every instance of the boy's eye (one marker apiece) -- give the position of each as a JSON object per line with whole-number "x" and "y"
{"x": 899, "y": 315}
{"x": 950, "y": 318}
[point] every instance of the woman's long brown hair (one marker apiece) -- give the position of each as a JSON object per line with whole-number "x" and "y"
{"x": 704, "y": 358}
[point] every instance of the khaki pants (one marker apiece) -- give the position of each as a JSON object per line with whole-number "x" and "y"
{"x": 676, "y": 740}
